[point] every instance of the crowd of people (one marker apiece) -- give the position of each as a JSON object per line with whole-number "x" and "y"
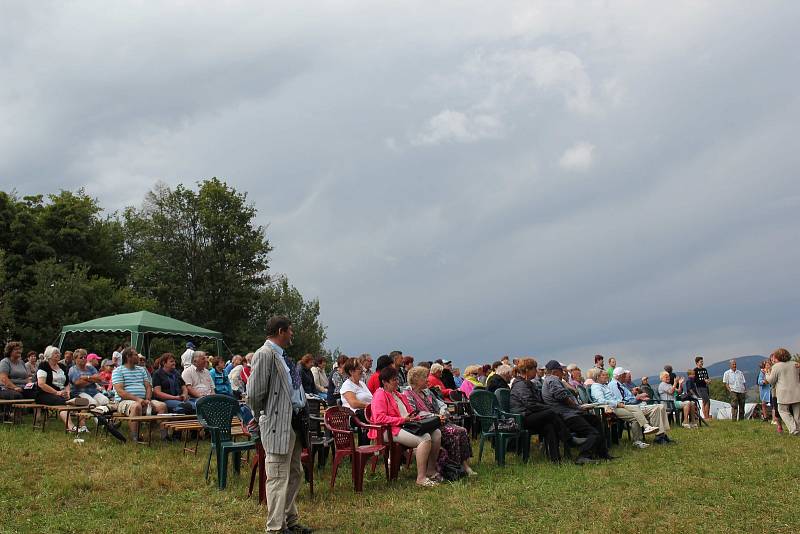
{"x": 564, "y": 406}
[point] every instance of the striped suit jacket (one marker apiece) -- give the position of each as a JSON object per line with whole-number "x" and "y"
{"x": 268, "y": 396}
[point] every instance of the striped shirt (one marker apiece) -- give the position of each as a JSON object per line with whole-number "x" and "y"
{"x": 132, "y": 381}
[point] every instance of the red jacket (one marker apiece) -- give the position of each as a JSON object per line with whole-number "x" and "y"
{"x": 374, "y": 382}
{"x": 386, "y": 412}
{"x": 437, "y": 382}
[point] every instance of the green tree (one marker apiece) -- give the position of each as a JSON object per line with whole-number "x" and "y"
{"x": 717, "y": 391}
{"x": 281, "y": 298}
{"x": 5, "y": 304}
{"x": 64, "y": 295}
{"x": 199, "y": 255}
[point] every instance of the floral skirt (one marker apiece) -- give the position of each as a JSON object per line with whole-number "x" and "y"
{"x": 455, "y": 441}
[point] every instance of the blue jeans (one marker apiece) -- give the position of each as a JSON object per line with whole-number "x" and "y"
{"x": 172, "y": 404}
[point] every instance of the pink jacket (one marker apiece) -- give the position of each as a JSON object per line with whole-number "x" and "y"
{"x": 385, "y": 412}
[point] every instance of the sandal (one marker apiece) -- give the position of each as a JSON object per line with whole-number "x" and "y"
{"x": 428, "y": 483}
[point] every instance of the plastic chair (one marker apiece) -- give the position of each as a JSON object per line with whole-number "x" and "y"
{"x": 395, "y": 453}
{"x": 487, "y": 411}
{"x": 319, "y": 440}
{"x": 216, "y": 413}
{"x": 337, "y": 421}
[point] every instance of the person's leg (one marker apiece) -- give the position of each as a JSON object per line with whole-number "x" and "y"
{"x": 277, "y": 467}
{"x": 549, "y": 436}
{"x": 433, "y": 457}
{"x": 742, "y": 397}
{"x": 295, "y": 481}
{"x": 422, "y": 450}
{"x": 788, "y": 418}
{"x": 7, "y": 394}
{"x": 796, "y": 415}
{"x": 734, "y": 402}
{"x": 657, "y": 415}
{"x": 630, "y": 416}
{"x": 580, "y": 427}
{"x": 134, "y": 410}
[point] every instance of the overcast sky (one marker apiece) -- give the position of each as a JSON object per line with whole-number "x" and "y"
{"x": 453, "y": 179}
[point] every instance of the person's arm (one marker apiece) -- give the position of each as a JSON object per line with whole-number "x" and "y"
{"x": 380, "y": 411}
{"x": 258, "y": 383}
{"x": 353, "y": 401}
{"x": 6, "y": 382}
{"x": 41, "y": 381}
{"x": 725, "y": 380}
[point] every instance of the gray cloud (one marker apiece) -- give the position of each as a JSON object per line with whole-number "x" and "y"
{"x": 423, "y": 169}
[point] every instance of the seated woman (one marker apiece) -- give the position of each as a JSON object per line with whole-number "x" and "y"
{"x": 390, "y": 408}
{"x": 455, "y": 439}
{"x": 84, "y": 378}
{"x": 471, "y": 381}
{"x": 51, "y": 377}
{"x": 538, "y": 417}
{"x": 15, "y": 380}
{"x": 669, "y": 392}
{"x": 435, "y": 380}
{"x": 306, "y": 376}
{"x": 321, "y": 377}
{"x": 355, "y": 394}
{"x": 222, "y": 384}
{"x": 500, "y": 378}
{"x": 168, "y": 386}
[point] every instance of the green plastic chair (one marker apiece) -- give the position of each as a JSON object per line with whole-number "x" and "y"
{"x": 487, "y": 411}
{"x": 215, "y": 413}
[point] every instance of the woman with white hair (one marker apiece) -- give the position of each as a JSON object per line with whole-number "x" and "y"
{"x": 455, "y": 440}
{"x": 51, "y": 377}
{"x": 500, "y": 378}
{"x": 667, "y": 392}
{"x": 435, "y": 380}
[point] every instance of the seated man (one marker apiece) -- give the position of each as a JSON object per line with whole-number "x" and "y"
{"x": 133, "y": 391}
{"x": 601, "y": 394}
{"x": 654, "y": 413}
{"x": 197, "y": 378}
{"x": 168, "y": 386}
{"x": 581, "y": 424}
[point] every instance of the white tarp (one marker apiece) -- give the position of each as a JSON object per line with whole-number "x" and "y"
{"x": 722, "y": 410}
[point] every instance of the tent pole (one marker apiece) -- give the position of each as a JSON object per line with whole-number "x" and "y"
{"x": 61, "y": 340}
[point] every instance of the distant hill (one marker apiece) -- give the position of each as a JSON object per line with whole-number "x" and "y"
{"x": 746, "y": 364}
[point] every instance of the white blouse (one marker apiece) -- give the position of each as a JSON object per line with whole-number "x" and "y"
{"x": 360, "y": 390}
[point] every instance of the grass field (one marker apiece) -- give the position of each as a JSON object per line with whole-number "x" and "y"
{"x": 732, "y": 476}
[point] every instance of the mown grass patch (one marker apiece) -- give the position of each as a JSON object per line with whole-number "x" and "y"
{"x": 716, "y": 479}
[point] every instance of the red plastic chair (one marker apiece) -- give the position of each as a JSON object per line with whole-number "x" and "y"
{"x": 337, "y": 420}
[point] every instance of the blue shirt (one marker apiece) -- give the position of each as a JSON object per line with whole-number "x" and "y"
{"x": 222, "y": 384}
{"x": 132, "y": 381}
{"x": 601, "y": 393}
{"x": 297, "y": 394}
{"x": 621, "y": 393}
{"x": 75, "y": 374}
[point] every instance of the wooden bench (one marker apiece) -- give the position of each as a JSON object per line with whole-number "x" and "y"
{"x": 151, "y": 420}
{"x": 7, "y": 405}
{"x": 41, "y": 412}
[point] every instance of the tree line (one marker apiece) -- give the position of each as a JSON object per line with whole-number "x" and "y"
{"x": 193, "y": 254}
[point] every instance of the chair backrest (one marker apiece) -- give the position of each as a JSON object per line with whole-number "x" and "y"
{"x": 456, "y": 395}
{"x": 484, "y": 405}
{"x": 216, "y": 413}
{"x": 503, "y": 398}
{"x": 337, "y": 420}
{"x": 585, "y": 395}
{"x": 315, "y": 405}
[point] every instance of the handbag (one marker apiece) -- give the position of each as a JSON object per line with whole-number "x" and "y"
{"x": 424, "y": 425}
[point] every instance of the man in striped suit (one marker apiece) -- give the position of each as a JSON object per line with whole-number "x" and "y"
{"x": 275, "y": 394}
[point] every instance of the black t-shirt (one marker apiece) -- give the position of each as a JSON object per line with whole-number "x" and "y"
{"x": 700, "y": 377}
{"x": 171, "y": 384}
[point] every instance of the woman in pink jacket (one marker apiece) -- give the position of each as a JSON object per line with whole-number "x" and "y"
{"x": 392, "y": 409}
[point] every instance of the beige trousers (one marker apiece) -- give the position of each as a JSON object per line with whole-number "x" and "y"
{"x": 635, "y": 416}
{"x": 790, "y": 414}
{"x": 657, "y": 416}
{"x": 284, "y": 477}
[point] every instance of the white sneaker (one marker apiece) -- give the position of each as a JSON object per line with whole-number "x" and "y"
{"x": 686, "y": 425}
{"x": 650, "y": 429}
{"x": 83, "y": 429}
{"x": 640, "y": 444}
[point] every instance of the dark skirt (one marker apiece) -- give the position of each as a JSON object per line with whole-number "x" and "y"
{"x": 455, "y": 441}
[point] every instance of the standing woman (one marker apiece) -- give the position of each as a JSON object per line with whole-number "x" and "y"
{"x": 51, "y": 377}
{"x": 455, "y": 439}
{"x": 14, "y": 375}
{"x": 783, "y": 374}
{"x": 764, "y": 390}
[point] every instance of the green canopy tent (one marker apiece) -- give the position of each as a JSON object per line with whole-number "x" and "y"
{"x": 143, "y": 326}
